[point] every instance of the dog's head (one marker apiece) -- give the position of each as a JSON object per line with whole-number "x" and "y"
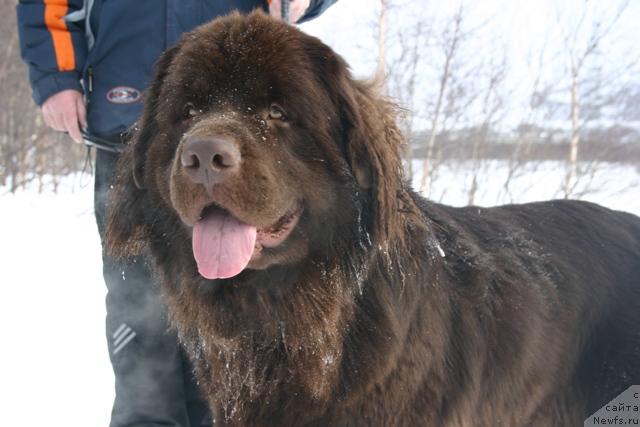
{"x": 260, "y": 163}
{"x": 257, "y": 147}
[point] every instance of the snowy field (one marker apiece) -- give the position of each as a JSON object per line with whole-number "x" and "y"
{"x": 54, "y": 364}
{"x": 612, "y": 185}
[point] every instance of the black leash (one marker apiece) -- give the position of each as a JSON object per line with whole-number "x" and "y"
{"x": 101, "y": 143}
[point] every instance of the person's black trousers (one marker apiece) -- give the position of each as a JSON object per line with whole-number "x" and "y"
{"x": 153, "y": 379}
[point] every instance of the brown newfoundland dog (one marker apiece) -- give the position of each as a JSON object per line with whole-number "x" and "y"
{"x": 311, "y": 286}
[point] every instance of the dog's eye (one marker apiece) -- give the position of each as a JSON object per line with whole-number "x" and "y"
{"x": 276, "y": 112}
{"x": 189, "y": 111}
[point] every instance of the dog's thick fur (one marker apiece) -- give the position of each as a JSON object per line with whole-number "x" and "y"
{"x": 381, "y": 308}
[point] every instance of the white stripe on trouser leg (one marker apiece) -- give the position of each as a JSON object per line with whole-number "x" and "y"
{"x": 129, "y": 336}
{"x": 122, "y": 336}
{"x": 119, "y": 330}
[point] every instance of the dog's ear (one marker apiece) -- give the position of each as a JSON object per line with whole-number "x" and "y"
{"x": 147, "y": 127}
{"x": 372, "y": 141}
{"x": 373, "y": 146}
{"x": 126, "y": 223}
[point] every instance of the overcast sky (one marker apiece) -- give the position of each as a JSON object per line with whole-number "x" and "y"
{"x": 523, "y": 24}
{"x": 515, "y": 30}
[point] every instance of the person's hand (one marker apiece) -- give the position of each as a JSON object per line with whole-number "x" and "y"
{"x": 297, "y": 8}
{"x": 65, "y": 112}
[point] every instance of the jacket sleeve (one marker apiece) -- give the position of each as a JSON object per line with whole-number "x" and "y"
{"x": 316, "y": 8}
{"x": 53, "y": 46}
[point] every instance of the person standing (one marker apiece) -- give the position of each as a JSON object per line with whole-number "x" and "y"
{"x": 89, "y": 62}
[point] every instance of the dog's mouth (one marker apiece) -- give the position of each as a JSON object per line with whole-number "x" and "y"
{"x": 223, "y": 245}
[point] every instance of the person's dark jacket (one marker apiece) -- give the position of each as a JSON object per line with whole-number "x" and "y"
{"x": 113, "y": 51}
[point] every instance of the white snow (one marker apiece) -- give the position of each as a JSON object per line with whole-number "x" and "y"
{"x": 615, "y": 186}
{"x": 54, "y": 365}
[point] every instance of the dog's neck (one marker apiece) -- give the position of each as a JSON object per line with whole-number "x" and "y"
{"x": 324, "y": 347}
{"x": 312, "y": 341}
{"x": 294, "y": 355}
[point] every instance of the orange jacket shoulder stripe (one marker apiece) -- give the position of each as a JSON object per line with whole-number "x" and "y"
{"x": 54, "y": 12}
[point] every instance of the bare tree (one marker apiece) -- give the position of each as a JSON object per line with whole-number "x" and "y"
{"x": 581, "y": 43}
{"x": 530, "y": 128}
{"x": 382, "y": 31}
{"x": 492, "y": 103}
{"x": 405, "y": 73}
{"x": 450, "y": 40}
{"x": 29, "y": 151}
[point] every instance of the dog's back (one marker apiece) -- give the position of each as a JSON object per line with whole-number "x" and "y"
{"x": 573, "y": 269}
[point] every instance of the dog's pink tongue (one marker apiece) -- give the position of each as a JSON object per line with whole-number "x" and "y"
{"x": 222, "y": 245}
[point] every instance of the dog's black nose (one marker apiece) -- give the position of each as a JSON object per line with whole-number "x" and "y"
{"x": 210, "y": 161}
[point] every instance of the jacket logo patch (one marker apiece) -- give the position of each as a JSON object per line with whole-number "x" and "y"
{"x": 124, "y": 95}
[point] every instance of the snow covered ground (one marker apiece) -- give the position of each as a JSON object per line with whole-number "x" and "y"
{"x": 54, "y": 368}
{"x": 615, "y": 186}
